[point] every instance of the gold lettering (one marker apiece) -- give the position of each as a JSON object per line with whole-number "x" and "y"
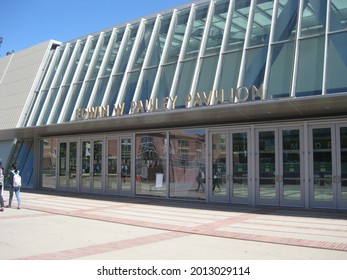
{"x": 140, "y": 107}
{"x": 239, "y": 94}
{"x": 188, "y": 99}
{"x": 165, "y": 103}
{"x": 197, "y": 100}
{"x": 118, "y": 109}
{"x": 173, "y": 101}
{"x": 149, "y": 105}
{"x": 260, "y": 93}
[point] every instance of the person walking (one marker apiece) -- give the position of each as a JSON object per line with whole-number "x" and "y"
{"x": 15, "y": 185}
{"x": 1, "y": 187}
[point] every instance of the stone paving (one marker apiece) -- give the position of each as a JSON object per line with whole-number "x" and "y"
{"x": 55, "y": 226}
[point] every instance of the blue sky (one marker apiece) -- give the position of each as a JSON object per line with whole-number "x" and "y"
{"x": 25, "y": 23}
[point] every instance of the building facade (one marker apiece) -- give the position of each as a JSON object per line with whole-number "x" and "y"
{"x": 230, "y": 101}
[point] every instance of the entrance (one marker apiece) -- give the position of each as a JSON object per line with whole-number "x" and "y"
{"x": 67, "y": 179}
{"x": 230, "y": 166}
{"x": 279, "y": 167}
{"x": 118, "y": 173}
{"x": 92, "y": 165}
{"x": 328, "y": 162}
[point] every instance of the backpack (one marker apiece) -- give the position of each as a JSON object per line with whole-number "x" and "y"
{"x": 17, "y": 179}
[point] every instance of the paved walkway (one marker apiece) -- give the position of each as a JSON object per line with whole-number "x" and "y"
{"x": 64, "y": 227}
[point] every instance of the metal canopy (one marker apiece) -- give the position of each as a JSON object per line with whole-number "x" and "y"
{"x": 255, "y": 111}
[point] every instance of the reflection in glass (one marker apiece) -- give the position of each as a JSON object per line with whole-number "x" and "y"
{"x": 286, "y": 22}
{"x": 207, "y": 74}
{"x": 255, "y": 68}
{"x": 187, "y": 164}
{"x": 184, "y": 82}
{"x": 314, "y": 17}
{"x": 49, "y": 163}
{"x": 337, "y": 63}
{"x": 150, "y": 167}
{"x": 219, "y": 165}
{"x": 240, "y": 165}
{"x": 143, "y": 45}
{"x": 322, "y": 165}
{"x": 197, "y": 32}
{"x": 214, "y": 40}
{"x": 280, "y": 79}
{"x": 86, "y": 164}
{"x": 112, "y": 168}
{"x": 237, "y": 34}
{"x": 177, "y": 40}
{"x": 97, "y": 165}
{"x": 72, "y": 165}
{"x": 130, "y": 90}
{"x": 310, "y": 67}
{"x": 229, "y": 75}
{"x": 267, "y": 163}
{"x": 338, "y": 15}
{"x": 343, "y": 140}
{"x": 291, "y": 164}
{"x": 126, "y": 164}
{"x": 62, "y": 164}
{"x": 165, "y": 83}
{"x": 261, "y": 23}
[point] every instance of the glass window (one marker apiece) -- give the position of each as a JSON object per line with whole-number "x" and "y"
{"x": 184, "y": 82}
{"x": 337, "y": 64}
{"x": 217, "y": 27}
{"x": 116, "y": 83}
{"x": 49, "y": 78}
{"x": 147, "y": 84}
{"x": 187, "y": 164}
{"x": 338, "y": 15}
{"x": 151, "y": 162}
{"x": 100, "y": 91}
{"x": 261, "y": 23}
{"x": 41, "y": 100}
{"x": 86, "y": 62}
{"x": 97, "y": 164}
{"x": 50, "y": 103}
{"x": 287, "y": 18}
{"x": 113, "y": 53}
{"x": 343, "y": 156}
{"x": 165, "y": 82}
{"x": 310, "y": 67}
{"x": 281, "y": 70}
{"x": 197, "y": 32}
{"x": 56, "y": 112}
{"x": 89, "y": 85}
{"x": 143, "y": 46}
{"x": 86, "y": 172}
{"x": 238, "y": 27}
{"x": 177, "y": 39}
{"x": 61, "y": 73}
{"x": 229, "y": 74}
{"x": 96, "y": 67}
{"x": 76, "y": 61}
{"x": 49, "y": 163}
{"x": 160, "y": 40}
{"x": 255, "y": 68}
{"x": 207, "y": 74}
{"x": 128, "y": 49}
{"x": 130, "y": 90}
{"x": 70, "y": 105}
{"x": 314, "y": 17}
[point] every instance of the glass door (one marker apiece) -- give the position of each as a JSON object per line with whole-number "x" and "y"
{"x": 92, "y": 165}
{"x": 118, "y": 175}
{"x": 230, "y": 167}
{"x": 267, "y": 179}
{"x": 328, "y": 160}
{"x": 341, "y": 177}
{"x": 67, "y": 166}
{"x": 279, "y": 167}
